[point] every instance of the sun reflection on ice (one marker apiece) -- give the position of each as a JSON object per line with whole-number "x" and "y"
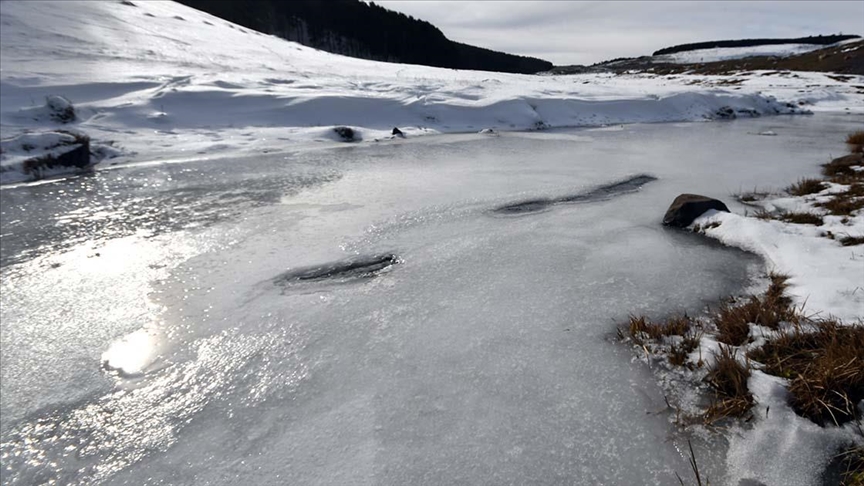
{"x": 132, "y": 354}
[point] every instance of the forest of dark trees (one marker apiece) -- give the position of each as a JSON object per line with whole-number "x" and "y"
{"x": 822, "y": 40}
{"x": 368, "y": 31}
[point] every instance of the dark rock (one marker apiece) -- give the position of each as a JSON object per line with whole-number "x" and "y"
{"x": 345, "y": 133}
{"x": 725, "y": 113}
{"x": 687, "y": 207}
{"x": 398, "y": 133}
{"x": 60, "y": 109}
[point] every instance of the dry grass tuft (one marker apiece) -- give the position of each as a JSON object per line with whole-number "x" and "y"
{"x": 842, "y": 169}
{"x": 806, "y": 186}
{"x": 853, "y": 470}
{"x": 842, "y": 204}
{"x": 752, "y": 196}
{"x": 855, "y": 141}
{"x": 825, "y": 366}
{"x": 678, "y": 352}
{"x": 852, "y": 240}
{"x": 728, "y": 377}
{"x": 764, "y": 214}
{"x": 641, "y": 328}
{"x": 733, "y": 321}
{"x": 802, "y": 218}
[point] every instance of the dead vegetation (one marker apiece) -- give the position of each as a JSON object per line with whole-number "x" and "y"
{"x": 855, "y": 140}
{"x": 852, "y": 240}
{"x": 852, "y": 460}
{"x": 802, "y": 218}
{"x": 732, "y": 321}
{"x": 825, "y": 366}
{"x": 806, "y": 186}
{"x": 847, "y": 170}
{"x": 728, "y": 379}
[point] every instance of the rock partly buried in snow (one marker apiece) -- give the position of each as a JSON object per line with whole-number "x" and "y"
{"x": 398, "y": 133}
{"x": 38, "y": 154}
{"x": 346, "y": 134}
{"x": 60, "y": 109}
{"x": 687, "y": 207}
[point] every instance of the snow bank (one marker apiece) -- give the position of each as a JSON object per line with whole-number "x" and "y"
{"x": 163, "y": 80}
{"x": 827, "y": 278}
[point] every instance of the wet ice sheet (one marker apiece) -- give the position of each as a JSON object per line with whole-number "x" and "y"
{"x": 483, "y": 358}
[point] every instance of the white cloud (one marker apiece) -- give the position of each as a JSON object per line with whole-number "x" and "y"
{"x": 570, "y": 32}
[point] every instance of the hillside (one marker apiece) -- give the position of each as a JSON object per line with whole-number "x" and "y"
{"x": 845, "y": 58}
{"x": 821, "y": 40}
{"x": 147, "y": 80}
{"x": 367, "y": 31}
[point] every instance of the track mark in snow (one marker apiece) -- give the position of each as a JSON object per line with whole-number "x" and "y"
{"x": 601, "y": 193}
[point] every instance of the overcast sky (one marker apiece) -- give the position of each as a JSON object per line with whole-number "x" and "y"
{"x": 570, "y": 32}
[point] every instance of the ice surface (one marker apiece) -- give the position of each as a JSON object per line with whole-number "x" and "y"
{"x": 484, "y": 357}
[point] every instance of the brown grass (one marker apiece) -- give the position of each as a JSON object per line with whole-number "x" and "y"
{"x": 825, "y": 366}
{"x": 733, "y": 321}
{"x": 728, "y": 378}
{"x": 640, "y": 328}
{"x": 853, "y": 470}
{"x": 802, "y": 218}
{"x": 752, "y": 196}
{"x": 852, "y": 240}
{"x": 855, "y": 141}
{"x": 844, "y": 167}
{"x": 842, "y": 205}
{"x": 678, "y": 352}
{"x": 806, "y": 186}
{"x": 762, "y": 213}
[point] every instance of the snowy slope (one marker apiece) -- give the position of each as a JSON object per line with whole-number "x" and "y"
{"x": 162, "y": 80}
{"x": 729, "y": 53}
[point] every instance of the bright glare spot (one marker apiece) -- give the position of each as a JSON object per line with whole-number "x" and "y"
{"x": 131, "y": 354}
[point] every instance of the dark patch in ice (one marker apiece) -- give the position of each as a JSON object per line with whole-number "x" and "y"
{"x": 341, "y": 271}
{"x": 601, "y": 193}
{"x": 532, "y": 206}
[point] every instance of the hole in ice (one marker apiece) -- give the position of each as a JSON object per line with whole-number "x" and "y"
{"x": 600, "y": 193}
{"x": 342, "y": 270}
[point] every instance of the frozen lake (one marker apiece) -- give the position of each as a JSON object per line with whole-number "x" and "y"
{"x": 210, "y": 322}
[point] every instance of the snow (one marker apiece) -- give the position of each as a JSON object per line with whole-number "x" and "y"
{"x": 149, "y": 79}
{"x": 782, "y": 447}
{"x": 729, "y": 53}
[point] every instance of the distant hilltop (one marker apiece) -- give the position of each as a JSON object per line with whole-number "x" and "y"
{"x": 822, "y": 40}
{"x": 367, "y": 31}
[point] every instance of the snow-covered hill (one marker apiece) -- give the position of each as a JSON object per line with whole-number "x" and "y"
{"x": 158, "y": 79}
{"x": 728, "y": 53}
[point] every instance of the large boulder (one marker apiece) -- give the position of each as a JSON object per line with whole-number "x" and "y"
{"x": 687, "y": 207}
